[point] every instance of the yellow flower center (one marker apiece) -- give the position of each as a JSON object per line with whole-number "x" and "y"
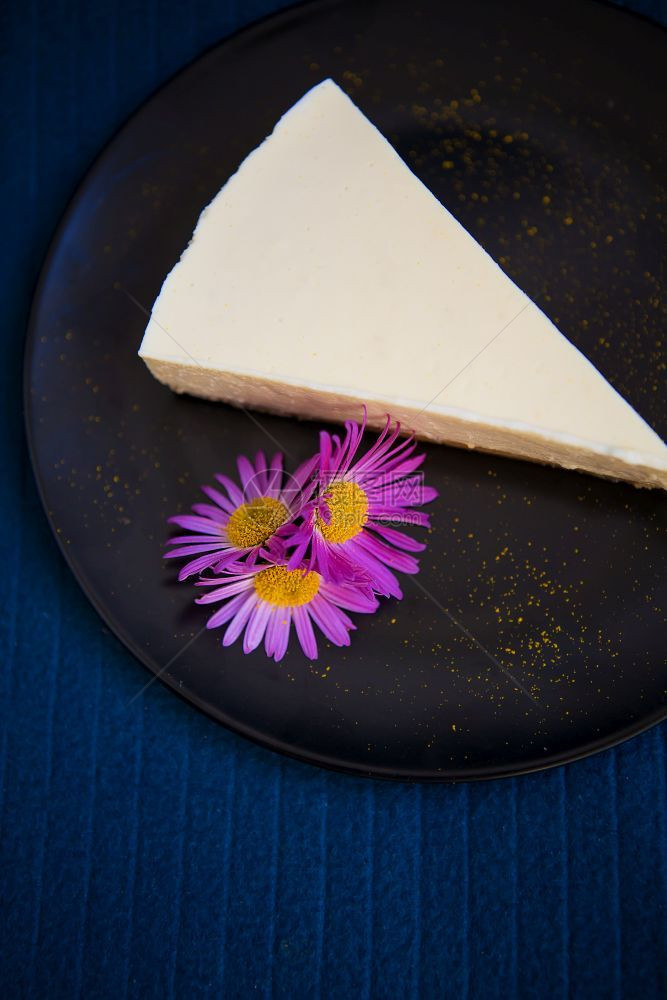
{"x": 254, "y": 522}
{"x": 348, "y": 506}
{"x": 286, "y": 588}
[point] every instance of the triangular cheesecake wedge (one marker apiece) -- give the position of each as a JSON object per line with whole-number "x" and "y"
{"x": 325, "y": 274}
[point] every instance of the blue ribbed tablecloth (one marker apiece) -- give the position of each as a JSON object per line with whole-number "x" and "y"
{"x": 148, "y": 852}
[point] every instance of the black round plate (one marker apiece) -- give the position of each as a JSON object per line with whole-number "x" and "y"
{"x": 538, "y": 636}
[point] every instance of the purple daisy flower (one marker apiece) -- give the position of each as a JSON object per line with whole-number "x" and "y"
{"x": 238, "y": 521}
{"x": 347, "y": 527}
{"x": 263, "y": 601}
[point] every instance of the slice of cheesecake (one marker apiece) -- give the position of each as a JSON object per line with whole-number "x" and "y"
{"x": 325, "y": 274}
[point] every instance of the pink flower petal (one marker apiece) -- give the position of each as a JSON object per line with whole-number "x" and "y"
{"x": 386, "y": 554}
{"x": 277, "y": 634}
{"x": 249, "y": 479}
{"x": 225, "y": 591}
{"x": 261, "y": 477}
{"x": 398, "y": 538}
{"x": 195, "y": 543}
{"x": 192, "y": 523}
{"x": 275, "y": 475}
{"x": 235, "y": 494}
{"x": 227, "y": 558}
{"x": 330, "y": 620}
{"x": 227, "y": 611}
{"x": 237, "y": 623}
{"x": 256, "y": 626}
{"x": 216, "y": 496}
{"x": 304, "y": 631}
{"x": 352, "y": 598}
{"x": 398, "y": 515}
{"x": 382, "y": 579}
{"x": 197, "y": 565}
{"x": 208, "y": 510}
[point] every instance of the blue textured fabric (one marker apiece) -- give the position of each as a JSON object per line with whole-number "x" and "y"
{"x": 146, "y": 852}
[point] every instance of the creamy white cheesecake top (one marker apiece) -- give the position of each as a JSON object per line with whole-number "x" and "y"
{"x": 325, "y": 265}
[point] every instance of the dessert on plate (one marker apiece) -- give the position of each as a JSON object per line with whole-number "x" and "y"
{"x": 324, "y": 275}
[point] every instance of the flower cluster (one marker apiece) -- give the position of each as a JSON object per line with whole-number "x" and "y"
{"x": 304, "y": 549}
